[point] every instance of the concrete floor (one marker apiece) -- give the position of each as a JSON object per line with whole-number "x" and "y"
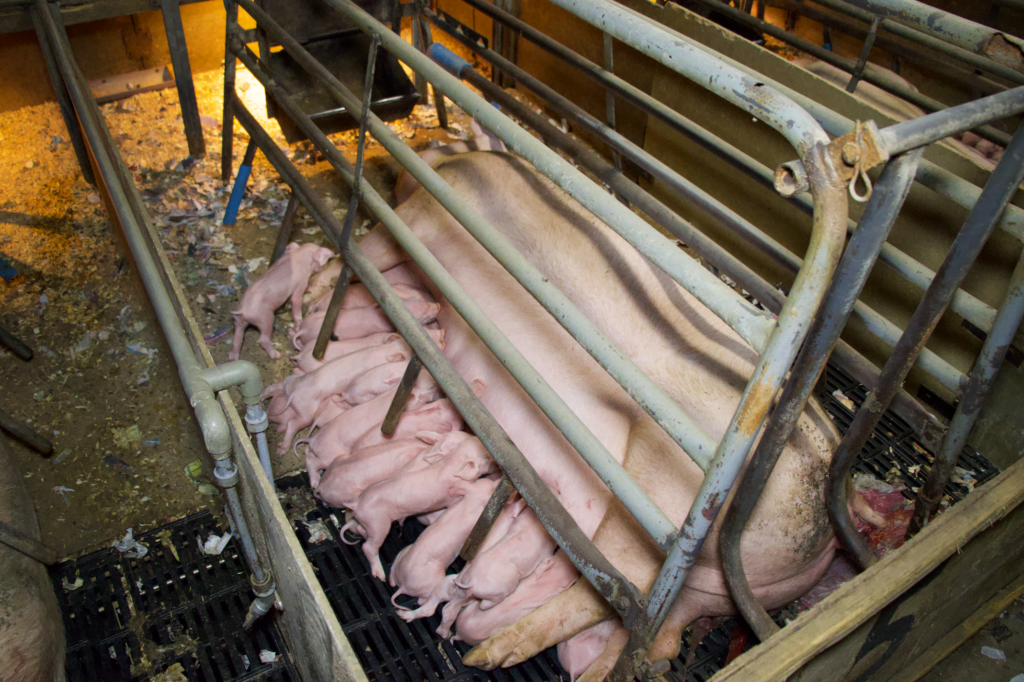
{"x": 1003, "y": 634}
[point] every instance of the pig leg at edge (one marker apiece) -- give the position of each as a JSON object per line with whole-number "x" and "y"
{"x": 569, "y": 613}
{"x": 265, "y": 323}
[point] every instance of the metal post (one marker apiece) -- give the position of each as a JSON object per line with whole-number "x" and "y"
{"x": 499, "y": 498}
{"x": 27, "y": 545}
{"x": 428, "y": 40}
{"x": 26, "y": 435}
{"x": 865, "y": 52}
{"x": 972, "y": 237}
{"x": 967, "y": 412}
{"x": 284, "y": 233}
{"x": 345, "y": 277}
{"x": 67, "y": 111}
{"x": 241, "y": 180}
{"x": 14, "y": 344}
{"x": 412, "y": 373}
{"x": 175, "y": 31}
{"x": 858, "y": 258}
{"x": 227, "y": 129}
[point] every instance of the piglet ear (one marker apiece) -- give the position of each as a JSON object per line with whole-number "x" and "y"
{"x": 291, "y": 247}
{"x": 478, "y": 387}
{"x": 429, "y": 437}
{"x": 395, "y": 357}
{"x": 467, "y": 471}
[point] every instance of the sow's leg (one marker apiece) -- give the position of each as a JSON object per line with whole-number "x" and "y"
{"x": 31, "y": 632}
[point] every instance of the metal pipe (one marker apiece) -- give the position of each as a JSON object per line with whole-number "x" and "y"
{"x": 501, "y": 495}
{"x": 919, "y": 132}
{"x": 680, "y": 186}
{"x": 982, "y": 376}
{"x": 284, "y": 233}
{"x": 880, "y": 79}
{"x": 227, "y": 132}
{"x": 978, "y": 313}
{"x": 768, "y": 295}
{"x": 579, "y": 436}
{"x": 965, "y": 249}
{"x": 854, "y": 266}
{"x": 27, "y": 545}
{"x": 402, "y": 393}
{"x": 131, "y": 214}
{"x": 933, "y": 62}
{"x": 14, "y": 344}
{"x": 562, "y": 528}
{"x": 26, "y": 435}
{"x": 923, "y": 38}
{"x": 951, "y": 28}
{"x": 749, "y": 322}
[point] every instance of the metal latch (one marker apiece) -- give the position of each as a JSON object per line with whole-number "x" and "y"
{"x": 854, "y": 154}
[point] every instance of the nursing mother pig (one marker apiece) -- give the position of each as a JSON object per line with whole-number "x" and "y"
{"x": 697, "y": 359}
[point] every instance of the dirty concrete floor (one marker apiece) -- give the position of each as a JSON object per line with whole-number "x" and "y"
{"x": 994, "y": 654}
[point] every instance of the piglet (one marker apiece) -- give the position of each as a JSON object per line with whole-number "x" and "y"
{"x": 440, "y": 416}
{"x": 375, "y": 381}
{"x": 358, "y": 296}
{"x": 286, "y": 279}
{"x": 419, "y": 569}
{"x": 577, "y": 654}
{"x": 554, "y": 575}
{"x": 353, "y": 323}
{"x": 305, "y": 362}
{"x": 307, "y": 392}
{"x": 345, "y": 479}
{"x": 415, "y": 492}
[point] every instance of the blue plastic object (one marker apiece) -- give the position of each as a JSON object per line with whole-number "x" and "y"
{"x": 452, "y": 63}
{"x": 7, "y": 271}
{"x": 236, "y": 194}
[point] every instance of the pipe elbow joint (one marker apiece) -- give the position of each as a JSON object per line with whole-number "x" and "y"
{"x": 241, "y": 373}
{"x": 213, "y": 424}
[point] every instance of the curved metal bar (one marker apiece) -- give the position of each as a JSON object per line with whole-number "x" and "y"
{"x": 855, "y": 265}
{"x": 965, "y": 249}
{"x": 982, "y": 376}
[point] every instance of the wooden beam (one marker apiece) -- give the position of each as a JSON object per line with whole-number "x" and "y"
{"x": 859, "y": 600}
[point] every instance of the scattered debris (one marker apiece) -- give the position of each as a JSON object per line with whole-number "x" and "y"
{"x": 151, "y": 442}
{"x": 267, "y": 656}
{"x": 164, "y": 537}
{"x": 130, "y": 547}
{"x": 994, "y": 654}
{"x": 123, "y": 438}
{"x": 61, "y": 457}
{"x": 71, "y": 587}
{"x": 118, "y": 464}
{"x": 317, "y": 531}
{"x": 845, "y": 401}
{"x": 61, "y": 489}
{"x": 194, "y": 471}
{"x": 176, "y": 673}
{"x": 215, "y": 544}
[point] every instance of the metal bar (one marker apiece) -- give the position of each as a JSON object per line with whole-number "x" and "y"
{"x": 284, "y": 233}
{"x": 412, "y": 373}
{"x": 685, "y": 189}
{"x": 965, "y": 249}
{"x": 982, "y": 376}
{"x": 15, "y": 345}
{"x": 653, "y": 399}
{"x": 428, "y": 40}
{"x": 899, "y": 49}
{"x": 768, "y": 295}
{"x": 499, "y": 498}
{"x": 28, "y": 546}
{"x": 865, "y": 52}
{"x": 923, "y": 38}
{"x": 966, "y": 305}
{"x": 918, "y": 132}
{"x": 345, "y": 278}
{"x": 951, "y": 28}
{"x": 750, "y": 323}
{"x": 175, "y": 31}
{"x": 609, "y": 96}
{"x": 579, "y": 436}
{"x": 67, "y": 110}
{"x": 26, "y": 435}
{"x": 879, "y": 215}
{"x": 241, "y": 180}
{"x": 563, "y": 529}
{"x": 878, "y": 78}
{"x": 227, "y": 128}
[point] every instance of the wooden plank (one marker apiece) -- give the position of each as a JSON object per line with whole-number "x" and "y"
{"x": 14, "y": 14}
{"x": 321, "y": 650}
{"x": 862, "y": 598}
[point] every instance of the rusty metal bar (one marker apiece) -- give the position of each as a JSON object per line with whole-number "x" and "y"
{"x": 28, "y": 546}
{"x": 499, "y": 498}
{"x": 965, "y": 249}
{"x": 284, "y": 233}
{"x": 865, "y": 52}
{"x": 26, "y": 435}
{"x": 412, "y": 373}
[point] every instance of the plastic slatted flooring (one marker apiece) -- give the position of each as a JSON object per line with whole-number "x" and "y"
{"x": 205, "y": 598}
{"x": 165, "y": 610}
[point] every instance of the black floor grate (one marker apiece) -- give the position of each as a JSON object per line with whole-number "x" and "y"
{"x": 134, "y": 618}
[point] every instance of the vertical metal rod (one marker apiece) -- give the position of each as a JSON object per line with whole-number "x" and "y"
{"x": 412, "y": 373}
{"x": 428, "y": 40}
{"x": 968, "y": 243}
{"x": 227, "y": 119}
{"x": 419, "y": 82}
{"x": 338, "y": 296}
{"x": 26, "y": 435}
{"x": 13, "y": 343}
{"x": 175, "y": 31}
{"x": 865, "y": 52}
{"x": 67, "y": 110}
{"x": 854, "y": 267}
{"x": 241, "y": 180}
{"x": 284, "y": 233}
{"x": 982, "y": 376}
{"x": 609, "y": 96}
{"x": 499, "y": 498}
